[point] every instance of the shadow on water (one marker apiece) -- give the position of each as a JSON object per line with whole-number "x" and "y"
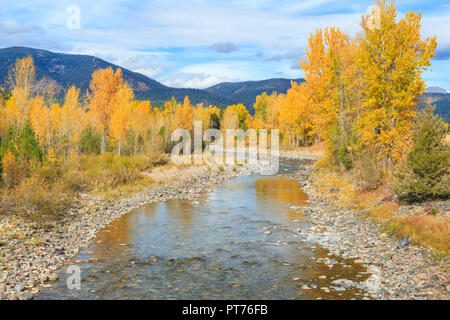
{"x": 233, "y": 243}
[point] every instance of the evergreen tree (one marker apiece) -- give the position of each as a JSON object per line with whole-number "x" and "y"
{"x": 425, "y": 173}
{"x": 90, "y": 141}
{"x": 22, "y": 143}
{"x": 214, "y": 121}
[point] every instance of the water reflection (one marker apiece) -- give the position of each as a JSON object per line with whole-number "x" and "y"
{"x": 233, "y": 243}
{"x": 282, "y": 190}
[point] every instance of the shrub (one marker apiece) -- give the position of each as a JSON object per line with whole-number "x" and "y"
{"x": 35, "y": 199}
{"x": 11, "y": 170}
{"x": 75, "y": 180}
{"x": 110, "y": 170}
{"x": 344, "y": 157}
{"x": 425, "y": 173}
{"x": 369, "y": 174}
{"x": 90, "y": 141}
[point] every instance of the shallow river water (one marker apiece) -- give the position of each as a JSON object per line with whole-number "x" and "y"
{"x": 236, "y": 242}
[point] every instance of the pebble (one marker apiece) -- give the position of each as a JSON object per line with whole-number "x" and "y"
{"x": 305, "y": 287}
{"x": 27, "y": 295}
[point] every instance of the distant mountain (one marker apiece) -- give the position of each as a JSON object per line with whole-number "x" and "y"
{"x": 441, "y": 100}
{"x": 246, "y": 92}
{"x": 436, "y": 90}
{"x": 64, "y": 70}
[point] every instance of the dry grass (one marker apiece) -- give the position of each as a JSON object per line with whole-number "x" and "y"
{"x": 345, "y": 194}
{"x": 430, "y": 231}
{"x": 114, "y": 176}
{"x": 317, "y": 150}
{"x": 52, "y": 186}
{"x": 126, "y": 189}
{"x": 447, "y": 139}
{"x": 427, "y": 230}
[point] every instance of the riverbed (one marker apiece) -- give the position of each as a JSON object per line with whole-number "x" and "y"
{"x": 236, "y": 242}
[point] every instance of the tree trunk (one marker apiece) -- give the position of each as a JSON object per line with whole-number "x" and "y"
{"x": 103, "y": 144}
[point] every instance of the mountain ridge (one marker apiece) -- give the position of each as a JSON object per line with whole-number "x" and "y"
{"x": 246, "y": 91}
{"x": 74, "y": 69}
{"x": 64, "y": 70}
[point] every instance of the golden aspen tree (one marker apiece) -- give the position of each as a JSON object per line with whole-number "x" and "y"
{"x": 229, "y": 119}
{"x": 392, "y": 58}
{"x": 10, "y": 115}
{"x": 156, "y": 135}
{"x": 103, "y": 88}
{"x": 297, "y": 115}
{"x": 317, "y": 78}
{"x": 3, "y": 123}
{"x": 176, "y": 120}
{"x": 324, "y": 47}
{"x": 333, "y": 89}
{"x": 41, "y": 122}
{"x": 276, "y": 102}
{"x": 212, "y": 118}
{"x": 21, "y": 79}
{"x": 121, "y": 115}
{"x": 186, "y": 114}
{"x": 141, "y": 123}
{"x": 56, "y": 137}
{"x": 71, "y": 119}
{"x": 346, "y": 97}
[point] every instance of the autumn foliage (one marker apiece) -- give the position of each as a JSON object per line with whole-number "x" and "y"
{"x": 359, "y": 95}
{"x": 359, "y": 98}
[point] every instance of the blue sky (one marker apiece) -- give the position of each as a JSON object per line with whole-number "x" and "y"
{"x": 198, "y": 43}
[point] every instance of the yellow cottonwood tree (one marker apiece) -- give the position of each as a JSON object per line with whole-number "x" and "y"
{"x": 71, "y": 120}
{"x": 121, "y": 115}
{"x": 392, "y": 58}
{"x": 324, "y": 47}
{"x": 141, "y": 122}
{"x": 104, "y": 86}
{"x": 21, "y": 79}
{"x": 186, "y": 114}
{"x": 41, "y": 122}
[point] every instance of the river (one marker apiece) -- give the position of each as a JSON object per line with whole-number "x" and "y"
{"x": 236, "y": 242}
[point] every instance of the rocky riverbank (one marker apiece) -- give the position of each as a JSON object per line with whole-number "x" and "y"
{"x": 399, "y": 269}
{"x": 30, "y": 254}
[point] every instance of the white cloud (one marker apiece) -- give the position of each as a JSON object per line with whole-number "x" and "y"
{"x": 147, "y": 63}
{"x": 192, "y": 80}
{"x": 204, "y": 75}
